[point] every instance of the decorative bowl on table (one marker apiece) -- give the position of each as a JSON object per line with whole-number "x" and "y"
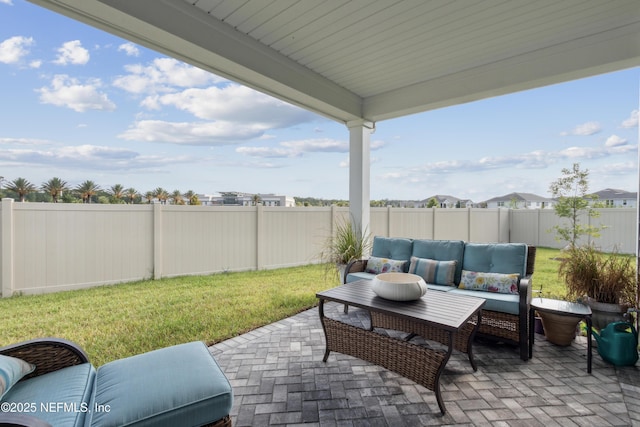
{"x": 399, "y": 286}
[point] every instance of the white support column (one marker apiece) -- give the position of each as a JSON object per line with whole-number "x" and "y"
{"x": 359, "y": 173}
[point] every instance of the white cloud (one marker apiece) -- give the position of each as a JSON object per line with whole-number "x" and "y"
{"x": 66, "y": 91}
{"x": 235, "y": 103}
{"x": 230, "y": 114}
{"x": 15, "y": 48}
{"x": 72, "y": 52}
{"x": 298, "y": 148}
{"x": 22, "y": 141}
{"x": 35, "y": 63}
{"x": 532, "y": 160}
{"x": 163, "y": 75}
{"x": 584, "y": 129}
{"x": 615, "y": 141}
{"x": 129, "y": 49}
{"x": 198, "y": 133}
{"x": 632, "y": 121}
{"x": 86, "y": 157}
{"x": 6, "y": 2}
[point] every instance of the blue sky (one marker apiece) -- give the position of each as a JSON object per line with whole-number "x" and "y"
{"x": 82, "y": 104}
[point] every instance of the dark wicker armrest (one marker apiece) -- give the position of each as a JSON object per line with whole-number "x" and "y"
{"x": 356, "y": 266}
{"x": 48, "y": 354}
{"x": 21, "y": 420}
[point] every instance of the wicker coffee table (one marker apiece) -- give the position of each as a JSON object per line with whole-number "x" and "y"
{"x": 447, "y": 313}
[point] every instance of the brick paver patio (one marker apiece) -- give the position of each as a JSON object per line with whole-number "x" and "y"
{"x": 278, "y": 378}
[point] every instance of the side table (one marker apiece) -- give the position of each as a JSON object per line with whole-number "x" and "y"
{"x": 561, "y": 308}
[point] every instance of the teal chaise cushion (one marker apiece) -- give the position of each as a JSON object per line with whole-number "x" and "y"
{"x": 174, "y": 386}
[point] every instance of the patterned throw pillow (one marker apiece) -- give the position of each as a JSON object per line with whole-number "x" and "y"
{"x": 11, "y": 371}
{"x": 434, "y": 272}
{"x": 490, "y": 282}
{"x": 377, "y": 265}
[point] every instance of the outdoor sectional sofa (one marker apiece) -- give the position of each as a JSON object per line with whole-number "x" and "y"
{"x": 50, "y": 382}
{"x": 501, "y": 273}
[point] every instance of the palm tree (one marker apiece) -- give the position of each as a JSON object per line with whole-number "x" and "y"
{"x": 161, "y": 194}
{"x": 149, "y": 195}
{"x": 256, "y": 199}
{"x": 87, "y": 190}
{"x": 192, "y": 197}
{"x": 21, "y": 187}
{"x": 54, "y": 187}
{"x": 116, "y": 192}
{"x": 177, "y": 197}
{"x": 131, "y": 194}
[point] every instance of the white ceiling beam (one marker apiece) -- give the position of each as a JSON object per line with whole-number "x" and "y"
{"x": 600, "y": 53}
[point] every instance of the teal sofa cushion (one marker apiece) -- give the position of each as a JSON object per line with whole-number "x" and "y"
{"x": 61, "y": 398}
{"x": 361, "y": 275}
{"x": 504, "y": 258}
{"x": 394, "y": 248}
{"x": 441, "y": 250}
{"x": 502, "y": 303}
{"x": 180, "y": 385}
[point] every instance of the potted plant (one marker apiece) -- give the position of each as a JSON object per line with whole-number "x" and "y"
{"x": 346, "y": 244}
{"x": 605, "y": 282}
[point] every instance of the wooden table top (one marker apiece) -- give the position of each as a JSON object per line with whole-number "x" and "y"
{"x": 447, "y": 311}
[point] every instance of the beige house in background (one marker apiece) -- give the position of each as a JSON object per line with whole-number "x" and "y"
{"x": 613, "y": 198}
{"x": 520, "y": 201}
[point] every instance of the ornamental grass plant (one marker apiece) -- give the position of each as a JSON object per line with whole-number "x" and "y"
{"x": 605, "y": 277}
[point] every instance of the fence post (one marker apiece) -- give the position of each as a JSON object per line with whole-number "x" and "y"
{"x": 7, "y": 248}
{"x": 259, "y": 237}
{"x": 157, "y": 241}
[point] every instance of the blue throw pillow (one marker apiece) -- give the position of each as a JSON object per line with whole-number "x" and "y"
{"x": 434, "y": 272}
{"x": 11, "y": 371}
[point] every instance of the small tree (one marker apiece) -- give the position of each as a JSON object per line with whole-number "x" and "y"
{"x": 432, "y": 203}
{"x": 572, "y": 200}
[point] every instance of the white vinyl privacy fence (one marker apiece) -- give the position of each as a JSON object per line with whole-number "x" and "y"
{"x": 50, "y": 247}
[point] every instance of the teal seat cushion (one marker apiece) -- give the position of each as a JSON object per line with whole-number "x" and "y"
{"x": 503, "y": 258}
{"x": 361, "y": 275}
{"x": 441, "y": 288}
{"x": 61, "y": 398}
{"x": 180, "y": 385}
{"x": 503, "y": 303}
{"x": 392, "y": 248}
{"x": 441, "y": 250}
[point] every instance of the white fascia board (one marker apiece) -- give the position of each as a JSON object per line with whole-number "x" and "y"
{"x": 181, "y": 31}
{"x": 600, "y": 53}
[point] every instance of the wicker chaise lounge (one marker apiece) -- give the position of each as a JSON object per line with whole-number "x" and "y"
{"x": 180, "y": 385}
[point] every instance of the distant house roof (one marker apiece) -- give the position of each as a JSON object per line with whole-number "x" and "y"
{"x": 442, "y": 198}
{"x": 612, "y": 193}
{"x": 528, "y": 197}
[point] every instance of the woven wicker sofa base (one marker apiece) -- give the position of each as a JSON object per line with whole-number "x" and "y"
{"x": 502, "y": 326}
{"x": 224, "y": 422}
{"x": 417, "y": 363}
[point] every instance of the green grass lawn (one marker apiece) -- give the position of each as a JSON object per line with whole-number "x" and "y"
{"x": 111, "y": 322}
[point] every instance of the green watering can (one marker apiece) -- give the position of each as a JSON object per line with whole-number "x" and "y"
{"x": 618, "y": 343}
